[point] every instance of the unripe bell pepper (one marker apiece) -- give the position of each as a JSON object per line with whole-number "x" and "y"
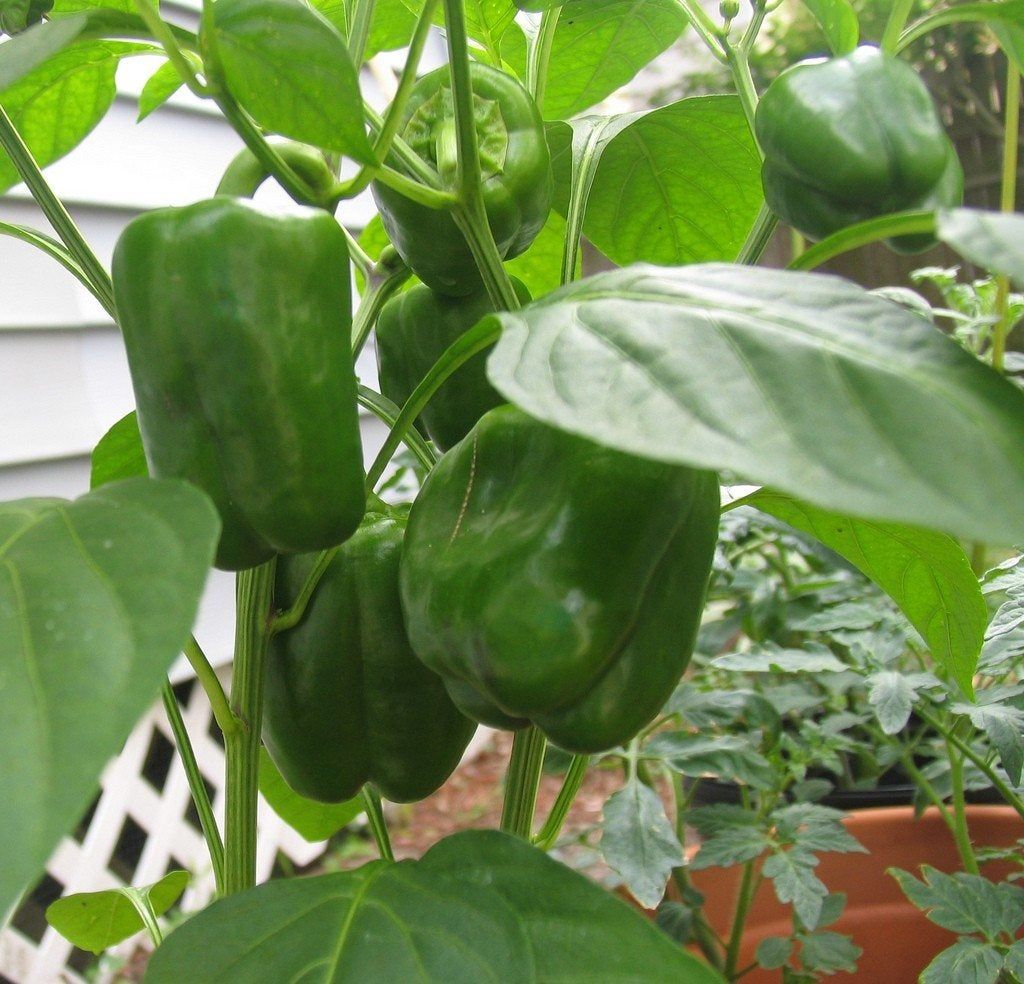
{"x": 236, "y": 324}
{"x": 516, "y": 177}
{"x": 852, "y": 138}
{"x": 347, "y": 702}
{"x": 413, "y": 332}
{"x": 551, "y": 580}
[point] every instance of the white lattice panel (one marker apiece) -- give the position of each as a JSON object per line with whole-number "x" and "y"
{"x": 141, "y": 826}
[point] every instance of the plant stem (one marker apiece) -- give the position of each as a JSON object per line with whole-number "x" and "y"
{"x": 55, "y": 212}
{"x": 291, "y": 617}
{"x": 378, "y": 824}
{"x": 574, "y": 777}
{"x": 540, "y": 55}
{"x": 150, "y": 15}
{"x": 898, "y": 16}
{"x": 381, "y": 407}
{"x": 254, "y": 593}
{"x": 469, "y": 214}
{"x": 702, "y": 23}
{"x": 758, "y": 238}
{"x": 359, "y": 31}
{"x": 373, "y": 300}
{"x": 144, "y": 908}
{"x": 210, "y": 682}
{"x": 582, "y": 181}
{"x": 196, "y": 785}
{"x": 739, "y": 66}
{"x": 961, "y": 835}
{"x": 1008, "y": 202}
{"x": 739, "y": 920}
{"x": 522, "y": 781}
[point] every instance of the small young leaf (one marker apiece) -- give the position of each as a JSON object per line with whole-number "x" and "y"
{"x": 1004, "y": 725}
{"x": 159, "y": 87}
{"x": 119, "y": 453}
{"x": 965, "y": 962}
{"x": 838, "y": 20}
{"x": 793, "y": 878}
{"x": 95, "y": 921}
{"x": 639, "y": 843}
{"x": 773, "y": 952}
{"x": 829, "y": 952}
{"x": 990, "y": 239}
{"x": 892, "y": 697}
{"x": 729, "y": 846}
{"x": 313, "y": 820}
{"x": 291, "y": 70}
{"x": 770, "y": 658}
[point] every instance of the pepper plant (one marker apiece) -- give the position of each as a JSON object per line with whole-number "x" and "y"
{"x": 551, "y": 573}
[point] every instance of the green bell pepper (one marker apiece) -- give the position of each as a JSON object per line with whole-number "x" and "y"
{"x": 852, "y": 138}
{"x": 551, "y": 580}
{"x": 413, "y": 332}
{"x": 516, "y": 169}
{"x": 346, "y": 701}
{"x": 236, "y": 324}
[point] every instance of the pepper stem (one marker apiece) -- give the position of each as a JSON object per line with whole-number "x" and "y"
{"x": 522, "y": 781}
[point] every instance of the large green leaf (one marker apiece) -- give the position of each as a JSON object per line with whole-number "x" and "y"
{"x": 803, "y": 382}
{"x": 96, "y": 921}
{"x": 290, "y": 68}
{"x": 97, "y": 597}
{"x": 480, "y": 906}
{"x": 994, "y": 240}
{"x": 56, "y": 105}
{"x": 926, "y": 573}
{"x": 678, "y": 185}
{"x": 598, "y": 47}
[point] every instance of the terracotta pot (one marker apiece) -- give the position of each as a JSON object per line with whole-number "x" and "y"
{"x": 897, "y": 940}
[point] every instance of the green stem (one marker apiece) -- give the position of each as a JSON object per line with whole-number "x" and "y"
{"x": 402, "y": 152}
{"x": 739, "y": 920}
{"x": 739, "y": 66}
{"x": 373, "y": 301}
{"x": 540, "y": 55}
{"x": 461, "y": 351}
{"x": 210, "y": 682}
{"x": 196, "y": 785}
{"x": 393, "y": 118}
{"x": 961, "y": 835}
{"x": 894, "y": 26}
{"x": 522, "y": 780}
{"x": 56, "y": 251}
{"x": 359, "y": 31}
{"x": 378, "y": 824}
{"x": 254, "y": 593}
{"x": 55, "y": 212}
{"x": 702, "y": 23}
{"x": 409, "y": 187}
{"x": 582, "y": 183}
{"x": 290, "y": 617}
{"x": 469, "y": 214}
{"x": 150, "y": 15}
{"x": 574, "y": 777}
{"x": 921, "y": 781}
{"x": 381, "y": 407}
{"x": 144, "y": 908}
{"x": 1008, "y": 202}
{"x": 758, "y": 238}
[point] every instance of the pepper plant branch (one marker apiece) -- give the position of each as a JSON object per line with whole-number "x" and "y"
{"x": 705, "y": 27}
{"x": 196, "y": 785}
{"x": 253, "y": 603}
{"x": 210, "y": 682}
{"x": 1007, "y": 204}
{"x": 359, "y": 31}
{"x": 291, "y": 617}
{"x": 378, "y": 823}
{"x": 388, "y": 412}
{"x": 522, "y": 781}
{"x": 55, "y": 212}
{"x": 744, "y": 898}
{"x": 388, "y": 131}
{"x": 470, "y": 214}
{"x": 476, "y": 340}
{"x": 540, "y": 55}
{"x": 402, "y": 152}
{"x": 371, "y": 303}
{"x": 577, "y": 772}
{"x": 162, "y": 33}
{"x": 898, "y": 17}
{"x": 961, "y": 835}
{"x": 56, "y": 251}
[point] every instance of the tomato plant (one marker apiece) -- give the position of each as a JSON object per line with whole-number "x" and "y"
{"x": 572, "y": 433}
